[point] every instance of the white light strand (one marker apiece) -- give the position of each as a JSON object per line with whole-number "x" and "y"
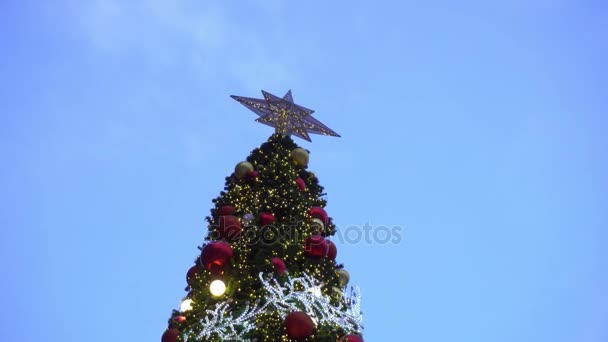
{"x": 228, "y": 328}
{"x": 284, "y": 299}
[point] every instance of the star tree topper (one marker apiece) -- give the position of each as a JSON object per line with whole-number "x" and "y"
{"x": 285, "y": 116}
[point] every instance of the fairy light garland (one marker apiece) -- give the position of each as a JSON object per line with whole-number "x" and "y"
{"x": 297, "y": 293}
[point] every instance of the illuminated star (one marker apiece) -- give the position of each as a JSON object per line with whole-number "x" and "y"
{"x": 285, "y": 116}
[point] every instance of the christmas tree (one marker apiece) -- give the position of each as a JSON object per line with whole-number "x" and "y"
{"x": 267, "y": 269}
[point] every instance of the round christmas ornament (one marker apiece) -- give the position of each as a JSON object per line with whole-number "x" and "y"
{"x": 216, "y": 256}
{"x": 248, "y": 218}
{"x": 343, "y": 276}
{"x": 226, "y": 210}
{"x": 266, "y": 219}
{"x": 300, "y": 183}
{"x": 253, "y": 174}
{"x": 300, "y": 156}
{"x": 229, "y": 227}
{"x": 299, "y": 325}
{"x": 170, "y": 335}
{"x": 332, "y": 252}
{"x": 217, "y": 288}
{"x": 192, "y": 273}
{"x": 320, "y": 213}
{"x": 179, "y": 319}
{"x": 351, "y": 338}
{"x": 186, "y": 305}
{"x": 317, "y": 225}
{"x": 316, "y": 247}
{"x": 242, "y": 169}
{"x": 279, "y": 265}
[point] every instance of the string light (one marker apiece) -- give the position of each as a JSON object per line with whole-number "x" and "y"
{"x": 316, "y": 291}
{"x": 281, "y": 299}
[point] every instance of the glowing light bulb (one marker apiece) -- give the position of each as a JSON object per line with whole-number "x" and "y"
{"x": 186, "y": 305}
{"x": 217, "y": 288}
{"x": 316, "y": 291}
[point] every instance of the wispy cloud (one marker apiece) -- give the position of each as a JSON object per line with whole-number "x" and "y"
{"x": 204, "y": 39}
{"x": 201, "y": 35}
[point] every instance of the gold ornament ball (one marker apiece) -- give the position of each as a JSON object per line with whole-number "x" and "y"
{"x": 300, "y": 156}
{"x": 317, "y": 225}
{"x": 343, "y": 276}
{"x": 242, "y": 169}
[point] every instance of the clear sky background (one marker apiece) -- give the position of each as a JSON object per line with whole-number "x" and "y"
{"x": 478, "y": 127}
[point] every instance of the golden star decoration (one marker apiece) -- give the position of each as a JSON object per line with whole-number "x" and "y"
{"x": 285, "y": 116}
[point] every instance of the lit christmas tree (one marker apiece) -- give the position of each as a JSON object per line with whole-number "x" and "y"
{"x": 267, "y": 269}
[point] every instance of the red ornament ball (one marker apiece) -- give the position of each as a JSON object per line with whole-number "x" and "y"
{"x": 229, "y": 227}
{"x": 320, "y": 213}
{"x": 316, "y": 247}
{"x": 266, "y": 219}
{"x": 279, "y": 265}
{"x": 192, "y": 272}
{"x": 226, "y": 210}
{"x": 253, "y": 174}
{"x": 300, "y": 183}
{"x": 170, "y": 335}
{"x": 216, "y": 255}
{"x": 351, "y": 338}
{"x": 298, "y": 325}
{"x": 332, "y": 252}
{"x": 179, "y": 319}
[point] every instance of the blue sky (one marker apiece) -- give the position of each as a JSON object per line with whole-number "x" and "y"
{"x": 478, "y": 127}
